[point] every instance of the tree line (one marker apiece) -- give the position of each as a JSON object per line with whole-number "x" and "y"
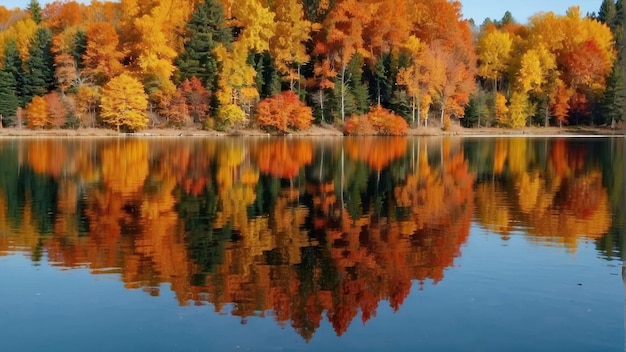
{"x": 372, "y": 67}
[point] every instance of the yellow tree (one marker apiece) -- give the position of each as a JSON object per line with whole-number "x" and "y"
{"x": 287, "y": 46}
{"x": 124, "y": 103}
{"x": 519, "y": 109}
{"x": 537, "y": 75}
{"x": 21, "y": 32}
{"x": 235, "y": 83}
{"x": 584, "y": 52}
{"x": 237, "y": 91}
{"x": 494, "y": 53}
{"x": 37, "y": 113}
{"x": 415, "y": 77}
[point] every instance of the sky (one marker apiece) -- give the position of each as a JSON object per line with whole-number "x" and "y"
{"x": 522, "y": 9}
{"x": 476, "y": 9}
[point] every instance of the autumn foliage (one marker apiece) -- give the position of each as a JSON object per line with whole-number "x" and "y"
{"x": 378, "y": 121}
{"x": 283, "y": 111}
{"x": 37, "y": 113}
{"x": 124, "y": 103}
{"x": 225, "y": 63}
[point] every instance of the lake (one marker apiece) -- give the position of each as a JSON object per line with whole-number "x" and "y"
{"x": 334, "y": 244}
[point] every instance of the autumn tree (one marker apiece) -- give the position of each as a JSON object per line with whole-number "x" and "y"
{"x": 124, "y": 103}
{"x": 87, "y": 99}
{"x": 415, "y": 78}
{"x": 380, "y": 121}
{"x": 454, "y": 84}
{"x": 282, "y": 111}
{"x": 37, "y": 113}
{"x": 197, "y": 99}
{"x": 60, "y": 15}
{"x": 237, "y": 92}
{"x": 344, "y": 39}
{"x": 102, "y": 57}
{"x": 287, "y": 46}
{"x": 57, "y": 109}
{"x": 494, "y": 51}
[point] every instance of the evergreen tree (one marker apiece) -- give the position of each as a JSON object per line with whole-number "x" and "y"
{"x": 608, "y": 14}
{"x": 40, "y": 65}
{"x": 13, "y": 65}
{"x": 267, "y": 78}
{"x": 8, "y": 98}
{"x": 35, "y": 10}
{"x": 80, "y": 47}
{"x": 359, "y": 90}
{"x": 612, "y": 106}
{"x": 380, "y": 84}
{"x": 206, "y": 29}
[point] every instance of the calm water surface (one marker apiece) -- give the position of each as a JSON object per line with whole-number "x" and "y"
{"x": 432, "y": 244}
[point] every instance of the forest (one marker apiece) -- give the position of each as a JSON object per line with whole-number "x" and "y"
{"x": 367, "y": 67}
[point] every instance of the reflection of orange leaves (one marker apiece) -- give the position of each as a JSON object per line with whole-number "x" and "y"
{"x": 566, "y": 158}
{"x": 125, "y": 165}
{"x": 581, "y": 212}
{"x": 584, "y": 196}
{"x": 47, "y": 157}
{"x": 378, "y": 153}
{"x": 500, "y": 155}
{"x": 284, "y": 158}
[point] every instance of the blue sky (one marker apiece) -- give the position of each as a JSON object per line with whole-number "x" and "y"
{"x": 522, "y": 10}
{"x": 476, "y": 9}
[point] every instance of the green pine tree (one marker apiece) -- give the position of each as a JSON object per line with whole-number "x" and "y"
{"x": 39, "y": 77}
{"x": 80, "y": 47}
{"x": 206, "y": 29}
{"x": 608, "y": 13}
{"x": 359, "y": 89}
{"x": 8, "y": 98}
{"x": 13, "y": 65}
{"x": 612, "y": 106}
{"x": 35, "y": 10}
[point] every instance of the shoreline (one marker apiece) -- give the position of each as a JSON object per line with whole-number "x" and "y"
{"x": 323, "y": 131}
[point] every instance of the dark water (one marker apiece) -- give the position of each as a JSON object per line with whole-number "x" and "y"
{"x": 430, "y": 244}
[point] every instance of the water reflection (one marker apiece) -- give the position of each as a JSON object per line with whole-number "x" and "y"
{"x": 297, "y": 229}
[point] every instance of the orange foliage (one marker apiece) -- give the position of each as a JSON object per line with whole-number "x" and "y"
{"x": 197, "y": 98}
{"x": 59, "y": 15}
{"x": 381, "y": 120}
{"x": 37, "y": 113}
{"x": 282, "y": 111}
{"x": 284, "y": 158}
{"x": 377, "y": 153}
{"x": 57, "y": 109}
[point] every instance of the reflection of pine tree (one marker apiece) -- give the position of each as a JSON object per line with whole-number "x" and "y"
{"x": 206, "y": 244}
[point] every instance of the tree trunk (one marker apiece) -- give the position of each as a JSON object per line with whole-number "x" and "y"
{"x": 322, "y": 103}
{"x": 413, "y": 112}
{"x": 343, "y": 94}
{"x": 546, "y": 119}
{"x": 443, "y": 109}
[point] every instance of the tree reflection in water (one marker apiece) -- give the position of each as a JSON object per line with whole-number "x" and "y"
{"x": 297, "y": 229}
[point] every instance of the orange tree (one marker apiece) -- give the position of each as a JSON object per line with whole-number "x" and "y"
{"x": 282, "y": 111}
{"x": 378, "y": 121}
